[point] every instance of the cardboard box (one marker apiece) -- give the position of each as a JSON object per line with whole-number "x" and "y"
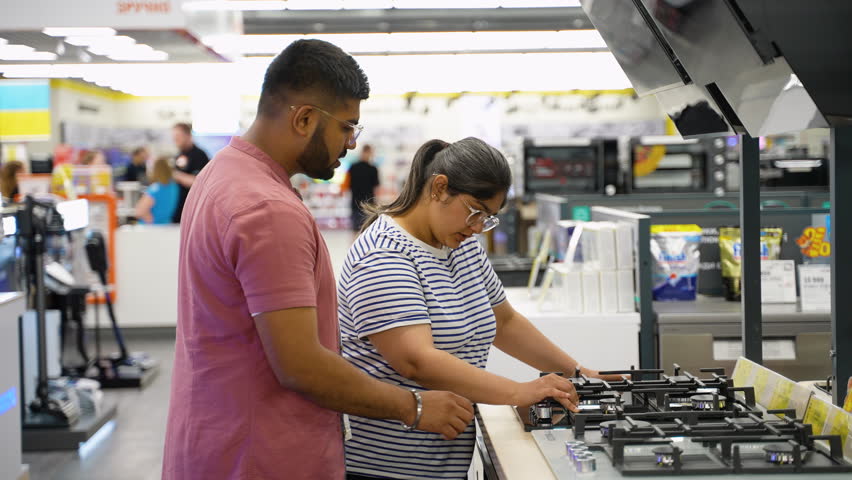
{"x": 591, "y": 292}
{"x": 609, "y": 292}
{"x": 624, "y": 246}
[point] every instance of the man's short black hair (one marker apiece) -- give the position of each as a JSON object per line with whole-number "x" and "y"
{"x": 312, "y": 65}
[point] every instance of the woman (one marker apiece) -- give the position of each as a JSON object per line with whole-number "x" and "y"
{"x": 420, "y": 306}
{"x": 158, "y": 203}
{"x": 9, "y": 179}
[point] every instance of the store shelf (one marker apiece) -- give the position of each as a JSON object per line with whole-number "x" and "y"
{"x": 718, "y": 310}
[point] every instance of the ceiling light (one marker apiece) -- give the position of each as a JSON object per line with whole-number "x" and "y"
{"x": 260, "y": 5}
{"x": 88, "y": 40}
{"x": 420, "y": 42}
{"x": 16, "y": 49}
{"x": 139, "y": 55}
{"x": 29, "y": 56}
{"x": 231, "y": 5}
{"x": 78, "y": 31}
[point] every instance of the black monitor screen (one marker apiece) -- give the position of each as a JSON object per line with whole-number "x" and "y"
{"x": 561, "y": 169}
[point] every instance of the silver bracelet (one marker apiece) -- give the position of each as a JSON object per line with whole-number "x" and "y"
{"x": 418, "y": 415}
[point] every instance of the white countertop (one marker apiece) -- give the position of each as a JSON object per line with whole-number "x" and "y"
{"x": 513, "y": 451}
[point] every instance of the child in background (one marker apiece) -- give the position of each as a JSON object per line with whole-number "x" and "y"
{"x": 158, "y": 203}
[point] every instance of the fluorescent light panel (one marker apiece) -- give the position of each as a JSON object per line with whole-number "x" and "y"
{"x": 261, "y": 5}
{"x": 388, "y": 75}
{"x": 78, "y": 31}
{"x": 378, "y": 43}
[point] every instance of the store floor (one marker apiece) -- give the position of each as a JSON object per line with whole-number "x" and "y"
{"x": 134, "y": 449}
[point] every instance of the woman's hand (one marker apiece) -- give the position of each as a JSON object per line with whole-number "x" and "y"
{"x": 607, "y": 378}
{"x": 553, "y": 386}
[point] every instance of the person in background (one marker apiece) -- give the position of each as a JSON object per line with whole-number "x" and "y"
{"x": 188, "y": 163}
{"x": 9, "y": 179}
{"x": 420, "y": 307}
{"x": 87, "y": 157}
{"x": 138, "y": 167}
{"x": 258, "y": 381}
{"x": 157, "y": 205}
{"x": 363, "y": 180}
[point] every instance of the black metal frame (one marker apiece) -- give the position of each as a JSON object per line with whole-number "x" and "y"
{"x": 841, "y": 258}
{"x": 752, "y": 328}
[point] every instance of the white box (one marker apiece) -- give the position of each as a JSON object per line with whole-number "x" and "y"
{"x": 571, "y": 291}
{"x": 626, "y": 291}
{"x": 598, "y": 242}
{"x": 609, "y": 292}
{"x": 591, "y": 292}
{"x": 624, "y": 246}
{"x": 778, "y": 281}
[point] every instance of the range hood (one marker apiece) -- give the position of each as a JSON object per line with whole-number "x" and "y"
{"x": 735, "y": 66}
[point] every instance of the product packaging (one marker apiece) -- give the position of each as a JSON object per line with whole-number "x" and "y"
{"x": 730, "y": 252}
{"x": 677, "y": 258}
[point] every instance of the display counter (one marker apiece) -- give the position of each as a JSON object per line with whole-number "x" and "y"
{"x": 511, "y": 451}
{"x": 599, "y": 341}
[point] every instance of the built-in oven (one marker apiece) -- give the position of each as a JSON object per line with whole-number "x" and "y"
{"x": 563, "y": 166}
{"x": 670, "y": 164}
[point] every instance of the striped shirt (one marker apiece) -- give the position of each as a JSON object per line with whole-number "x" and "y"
{"x": 391, "y": 279}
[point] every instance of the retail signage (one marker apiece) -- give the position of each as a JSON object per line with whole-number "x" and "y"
{"x": 778, "y": 281}
{"x": 815, "y": 242}
{"x": 815, "y": 287}
{"x": 582, "y": 213}
{"x": 117, "y": 14}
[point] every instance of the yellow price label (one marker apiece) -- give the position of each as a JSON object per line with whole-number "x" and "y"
{"x": 781, "y": 395}
{"x": 840, "y": 424}
{"x": 816, "y": 414}
{"x": 743, "y": 372}
{"x": 760, "y": 382}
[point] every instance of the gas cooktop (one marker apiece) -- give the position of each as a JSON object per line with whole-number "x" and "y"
{"x": 649, "y": 423}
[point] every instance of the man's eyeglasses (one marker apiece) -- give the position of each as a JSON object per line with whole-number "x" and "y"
{"x": 489, "y": 222}
{"x": 356, "y": 129}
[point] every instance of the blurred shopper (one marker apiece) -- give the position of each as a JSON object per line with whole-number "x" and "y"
{"x": 363, "y": 180}
{"x": 258, "y": 379}
{"x": 188, "y": 164}
{"x": 420, "y": 307}
{"x": 137, "y": 169}
{"x": 157, "y": 205}
{"x": 9, "y": 179}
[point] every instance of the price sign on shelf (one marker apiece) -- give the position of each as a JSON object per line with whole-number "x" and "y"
{"x": 815, "y": 287}
{"x": 814, "y": 242}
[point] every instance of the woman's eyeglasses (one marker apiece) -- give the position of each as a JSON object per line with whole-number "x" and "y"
{"x": 476, "y": 217}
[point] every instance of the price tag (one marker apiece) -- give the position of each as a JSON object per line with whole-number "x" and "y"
{"x": 742, "y": 372}
{"x": 815, "y": 286}
{"x": 816, "y": 415}
{"x": 778, "y": 281}
{"x": 839, "y": 424}
{"x": 760, "y": 382}
{"x": 781, "y": 395}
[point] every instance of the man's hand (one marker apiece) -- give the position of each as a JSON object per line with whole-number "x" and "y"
{"x": 443, "y": 412}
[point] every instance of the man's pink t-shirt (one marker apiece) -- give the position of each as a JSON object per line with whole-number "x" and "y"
{"x": 248, "y": 246}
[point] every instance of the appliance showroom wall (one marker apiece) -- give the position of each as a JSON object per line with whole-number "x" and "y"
{"x": 398, "y": 125}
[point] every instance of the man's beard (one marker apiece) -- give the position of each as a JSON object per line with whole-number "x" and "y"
{"x": 314, "y": 160}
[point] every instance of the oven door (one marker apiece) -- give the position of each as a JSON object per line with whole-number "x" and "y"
{"x": 567, "y": 167}
{"x": 672, "y": 167}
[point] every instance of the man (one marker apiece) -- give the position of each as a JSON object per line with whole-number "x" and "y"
{"x": 258, "y": 379}
{"x": 188, "y": 163}
{"x": 363, "y": 181}
{"x": 137, "y": 170}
